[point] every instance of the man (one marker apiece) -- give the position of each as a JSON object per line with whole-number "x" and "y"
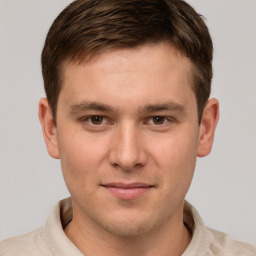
{"x": 127, "y": 113}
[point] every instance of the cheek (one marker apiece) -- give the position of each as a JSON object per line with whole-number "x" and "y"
{"x": 81, "y": 157}
{"x": 175, "y": 151}
{"x": 176, "y": 159}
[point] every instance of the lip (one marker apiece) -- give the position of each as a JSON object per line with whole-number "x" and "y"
{"x": 128, "y": 191}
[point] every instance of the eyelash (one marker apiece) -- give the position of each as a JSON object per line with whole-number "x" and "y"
{"x": 88, "y": 120}
{"x": 165, "y": 120}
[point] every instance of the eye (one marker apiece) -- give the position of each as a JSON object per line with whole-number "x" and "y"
{"x": 158, "y": 120}
{"x": 96, "y": 120}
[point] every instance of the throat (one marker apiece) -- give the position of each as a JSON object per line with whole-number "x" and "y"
{"x": 156, "y": 243}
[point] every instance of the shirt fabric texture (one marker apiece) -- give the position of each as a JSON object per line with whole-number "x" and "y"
{"x": 51, "y": 240}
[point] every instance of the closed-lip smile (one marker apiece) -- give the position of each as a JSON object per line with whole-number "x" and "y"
{"x": 128, "y": 191}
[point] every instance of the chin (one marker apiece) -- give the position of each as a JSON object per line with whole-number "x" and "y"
{"x": 129, "y": 230}
{"x": 130, "y": 226}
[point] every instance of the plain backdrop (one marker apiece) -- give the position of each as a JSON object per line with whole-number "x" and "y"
{"x": 224, "y": 186}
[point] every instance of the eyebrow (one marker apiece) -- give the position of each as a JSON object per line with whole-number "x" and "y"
{"x": 85, "y": 106}
{"x": 170, "y": 106}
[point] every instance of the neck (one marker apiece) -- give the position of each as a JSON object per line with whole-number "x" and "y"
{"x": 170, "y": 239}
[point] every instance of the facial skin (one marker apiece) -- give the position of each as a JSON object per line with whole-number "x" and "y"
{"x": 128, "y": 136}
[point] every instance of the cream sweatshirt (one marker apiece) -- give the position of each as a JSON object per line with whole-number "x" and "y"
{"x": 51, "y": 240}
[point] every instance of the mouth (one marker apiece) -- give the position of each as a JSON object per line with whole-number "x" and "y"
{"x": 128, "y": 191}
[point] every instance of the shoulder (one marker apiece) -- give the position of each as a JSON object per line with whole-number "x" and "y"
{"x": 209, "y": 242}
{"x": 222, "y": 245}
{"x": 29, "y": 244}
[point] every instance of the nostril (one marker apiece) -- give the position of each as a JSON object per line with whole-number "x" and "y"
{"x": 128, "y": 167}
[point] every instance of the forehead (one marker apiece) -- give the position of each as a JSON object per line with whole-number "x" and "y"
{"x": 149, "y": 71}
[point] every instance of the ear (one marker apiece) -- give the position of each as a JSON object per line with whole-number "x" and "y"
{"x": 48, "y": 128}
{"x": 207, "y": 127}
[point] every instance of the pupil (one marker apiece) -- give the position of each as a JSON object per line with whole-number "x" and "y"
{"x": 158, "y": 120}
{"x": 97, "y": 119}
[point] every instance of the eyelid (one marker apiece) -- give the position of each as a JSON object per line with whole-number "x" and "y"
{"x": 86, "y": 119}
{"x": 107, "y": 121}
{"x": 166, "y": 121}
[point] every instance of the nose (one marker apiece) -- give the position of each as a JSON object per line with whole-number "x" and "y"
{"x": 127, "y": 150}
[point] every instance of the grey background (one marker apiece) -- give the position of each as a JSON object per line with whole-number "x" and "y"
{"x": 224, "y": 186}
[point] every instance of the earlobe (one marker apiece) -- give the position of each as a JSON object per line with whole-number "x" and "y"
{"x": 207, "y": 127}
{"x": 48, "y": 128}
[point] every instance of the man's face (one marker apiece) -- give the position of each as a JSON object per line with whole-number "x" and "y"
{"x": 127, "y": 136}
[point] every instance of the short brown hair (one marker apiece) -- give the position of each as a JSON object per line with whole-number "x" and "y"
{"x": 87, "y": 27}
